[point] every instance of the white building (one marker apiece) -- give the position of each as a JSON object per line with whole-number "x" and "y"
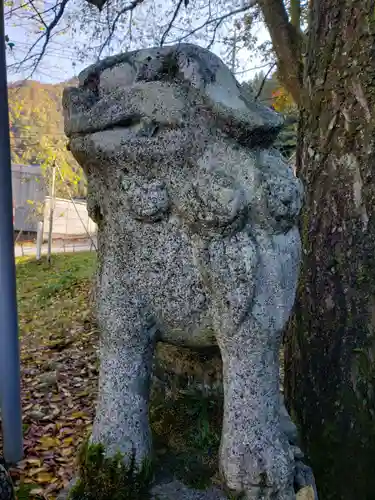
{"x": 28, "y": 196}
{"x": 32, "y": 204}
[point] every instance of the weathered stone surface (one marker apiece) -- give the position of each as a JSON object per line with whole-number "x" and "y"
{"x": 177, "y": 490}
{"x": 198, "y": 246}
{"x": 6, "y": 485}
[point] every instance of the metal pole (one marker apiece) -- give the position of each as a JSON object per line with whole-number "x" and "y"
{"x": 51, "y": 210}
{"x": 39, "y": 240}
{"x": 234, "y": 52}
{"x": 10, "y": 394}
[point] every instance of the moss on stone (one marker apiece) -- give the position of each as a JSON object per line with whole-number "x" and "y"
{"x": 110, "y": 478}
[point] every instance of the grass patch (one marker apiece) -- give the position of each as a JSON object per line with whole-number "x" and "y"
{"x": 186, "y": 433}
{"x": 39, "y": 282}
{"x": 52, "y": 299}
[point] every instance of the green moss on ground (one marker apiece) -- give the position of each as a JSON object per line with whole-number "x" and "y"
{"x": 109, "y": 478}
{"x": 186, "y": 433}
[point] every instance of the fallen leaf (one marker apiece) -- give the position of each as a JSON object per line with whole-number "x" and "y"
{"x": 44, "y": 477}
{"x": 48, "y": 441}
{"x": 37, "y": 491}
{"x": 65, "y": 452}
{"x": 34, "y": 472}
{"x": 78, "y": 414}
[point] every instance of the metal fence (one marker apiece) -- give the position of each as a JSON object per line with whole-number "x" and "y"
{"x": 60, "y": 245}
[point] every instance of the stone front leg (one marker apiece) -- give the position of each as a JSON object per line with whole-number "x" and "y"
{"x": 255, "y": 456}
{"x": 252, "y": 282}
{"x": 127, "y": 344}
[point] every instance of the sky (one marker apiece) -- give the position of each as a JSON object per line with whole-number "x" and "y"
{"x": 61, "y": 62}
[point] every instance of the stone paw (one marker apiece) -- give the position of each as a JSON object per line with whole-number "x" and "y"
{"x": 138, "y": 450}
{"x": 261, "y": 471}
{"x": 303, "y": 476}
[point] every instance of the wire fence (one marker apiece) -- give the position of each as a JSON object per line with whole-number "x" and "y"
{"x": 59, "y": 245}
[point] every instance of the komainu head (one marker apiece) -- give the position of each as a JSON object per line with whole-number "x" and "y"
{"x": 173, "y": 129}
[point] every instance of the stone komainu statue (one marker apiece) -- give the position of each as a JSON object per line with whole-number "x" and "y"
{"x": 198, "y": 245}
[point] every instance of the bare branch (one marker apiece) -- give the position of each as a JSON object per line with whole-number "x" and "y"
{"x": 10, "y": 12}
{"x": 264, "y": 81}
{"x": 44, "y": 12}
{"x": 170, "y": 25}
{"x": 108, "y": 19}
{"x": 217, "y": 26}
{"x": 38, "y": 14}
{"x": 130, "y": 28}
{"x": 109, "y": 30}
{"x": 128, "y": 8}
{"x": 219, "y": 19}
{"x": 253, "y": 69}
{"x": 29, "y": 55}
{"x": 47, "y": 36}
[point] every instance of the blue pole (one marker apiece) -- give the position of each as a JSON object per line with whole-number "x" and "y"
{"x": 10, "y": 396}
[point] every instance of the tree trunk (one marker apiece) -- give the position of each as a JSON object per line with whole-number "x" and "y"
{"x": 286, "y": 41}
{"x": 330, "y": 343}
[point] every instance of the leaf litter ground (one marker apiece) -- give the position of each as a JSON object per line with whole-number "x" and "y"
{"x": 59, "y": 371}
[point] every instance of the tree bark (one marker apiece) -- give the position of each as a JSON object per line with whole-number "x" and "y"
{"x": 286, "y": 41}
{"x": 330, "y": 343}
{"x": 295, "y": 14}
